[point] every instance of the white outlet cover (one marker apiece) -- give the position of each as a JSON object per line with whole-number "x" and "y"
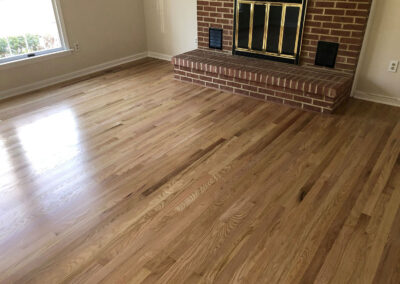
{"x": 393, "y": 66}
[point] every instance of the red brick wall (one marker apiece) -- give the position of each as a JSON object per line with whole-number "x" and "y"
{"x": 342, "y": 21}
{"x": 216, "y": 14}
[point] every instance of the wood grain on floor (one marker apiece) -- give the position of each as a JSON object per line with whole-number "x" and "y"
{"x": 132, "y": 177}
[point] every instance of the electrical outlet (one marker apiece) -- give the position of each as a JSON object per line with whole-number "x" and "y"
{"x": 76, "y": 47}
{"x": 394, "y": 64}
{"x": 196, "y": 40}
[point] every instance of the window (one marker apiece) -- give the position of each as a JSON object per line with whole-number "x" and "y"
{"x": 29, "y": 28}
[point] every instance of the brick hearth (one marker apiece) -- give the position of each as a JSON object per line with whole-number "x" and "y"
{"x": 296, "y": 86}
{"x": 305, "y": 86}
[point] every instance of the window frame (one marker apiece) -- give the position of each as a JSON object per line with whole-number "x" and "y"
{"x": 61, "y": 32}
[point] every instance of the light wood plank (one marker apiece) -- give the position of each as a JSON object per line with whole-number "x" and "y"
{"x": 131, "y": 177}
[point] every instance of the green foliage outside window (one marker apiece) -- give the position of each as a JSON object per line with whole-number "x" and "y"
{"x": 3, "y": 47}
{"x": 33, "y": 42}
{"x": 19, "y": 45}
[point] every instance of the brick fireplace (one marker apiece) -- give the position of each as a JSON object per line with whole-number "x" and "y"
{"x": 304, "y": 85}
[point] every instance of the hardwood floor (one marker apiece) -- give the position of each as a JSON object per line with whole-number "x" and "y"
{"x": 132, "y": 177}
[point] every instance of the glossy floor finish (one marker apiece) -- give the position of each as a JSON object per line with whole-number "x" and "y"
{"x": 132, "y": 177}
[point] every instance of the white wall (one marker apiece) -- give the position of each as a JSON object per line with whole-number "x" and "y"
{"x": 106, "y": 30}
{"x": 171, "y": 26}
{"x": 381, "y": 45}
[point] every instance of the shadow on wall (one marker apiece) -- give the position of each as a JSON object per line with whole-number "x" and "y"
{"x": 161, "y": 14}
{"x": 171, "y": 26}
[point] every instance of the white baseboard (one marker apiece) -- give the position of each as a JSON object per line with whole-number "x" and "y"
{"x": 159, "y": 55}
{"x": 73, "y": 75}
{"x": 376, "y": 98}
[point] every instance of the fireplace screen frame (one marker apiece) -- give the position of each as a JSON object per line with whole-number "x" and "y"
{"x": 278, "y": 56}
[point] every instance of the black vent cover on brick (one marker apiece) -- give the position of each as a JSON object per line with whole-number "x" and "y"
{"x": 215, "y": 36}
{"x": 326, "y": 54}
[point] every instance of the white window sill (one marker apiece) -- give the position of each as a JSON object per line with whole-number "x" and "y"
{"x": 31, "y": 60}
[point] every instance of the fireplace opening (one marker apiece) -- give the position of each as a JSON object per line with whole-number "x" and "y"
{"x": 269, "y": 29}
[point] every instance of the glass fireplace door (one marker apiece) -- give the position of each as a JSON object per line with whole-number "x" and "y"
{"x": 269, "y": 27}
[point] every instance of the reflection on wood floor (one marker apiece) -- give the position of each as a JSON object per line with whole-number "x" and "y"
{"x": 132, "y": 177}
